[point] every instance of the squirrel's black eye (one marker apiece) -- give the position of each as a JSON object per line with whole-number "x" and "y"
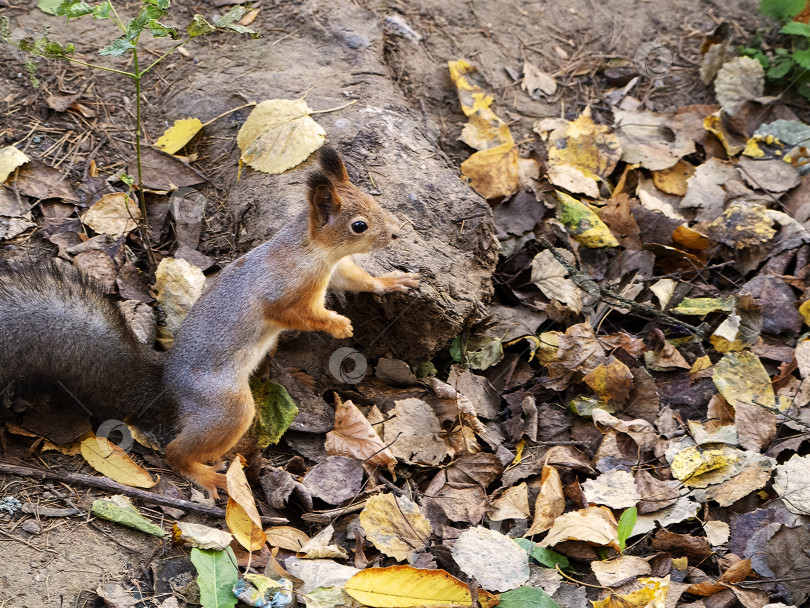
{"x": 359, "y": 227}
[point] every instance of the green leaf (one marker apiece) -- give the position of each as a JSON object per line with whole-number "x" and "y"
{"x": 275, "y": 411}
{"x": 626, "y": 524}
{"x": 235, "y": 14}
{"x": 74, "y": 8}
{"x": 483, "y": 352}
{"x": 159, "y": 30}
{"x": 802, "y": 58}
{"x": 527, "y": 597}
{"x": 544, "y": 557}
{"x": 161, "y": 4}
{"x": 122, "y": 512}
{"x": 117, "y": 48}
{"x": 199, "y": 26}
{"x": 779, "y": 70}
{"x": 781, "y": 9}
{"x": 795, "y": 28}
{"x": 241, "y": 29}
{"x": 216, "y": 576}
{"x": 49, "y": 6}
{"x": 102, "y": 11}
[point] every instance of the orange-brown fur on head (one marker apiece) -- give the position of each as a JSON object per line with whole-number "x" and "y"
{"x": 343, "y": 218}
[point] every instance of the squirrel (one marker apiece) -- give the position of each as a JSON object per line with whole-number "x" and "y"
{"x": 57, "y": 326}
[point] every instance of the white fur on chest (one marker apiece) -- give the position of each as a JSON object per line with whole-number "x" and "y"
{"x": 253, "y": 356}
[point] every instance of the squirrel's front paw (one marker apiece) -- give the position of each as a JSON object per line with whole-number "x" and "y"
{"x": 340, "y": 327}
{"x": 397, "y": 281}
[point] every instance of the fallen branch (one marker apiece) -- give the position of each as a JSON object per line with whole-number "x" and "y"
{"x": 592, "y": 288}
{"x": 105, "y": 483}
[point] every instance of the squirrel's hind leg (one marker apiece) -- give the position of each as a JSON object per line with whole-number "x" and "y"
{"x": 206, "y": 437}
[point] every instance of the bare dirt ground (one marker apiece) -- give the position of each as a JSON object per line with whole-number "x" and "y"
{"x": 339, "y": 51}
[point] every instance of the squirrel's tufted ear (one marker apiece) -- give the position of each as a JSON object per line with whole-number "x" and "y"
{"x": 324, "y": 202}
{"x": 332, "y": 165}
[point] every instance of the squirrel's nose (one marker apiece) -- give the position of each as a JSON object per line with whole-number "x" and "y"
{"x": 395, "y": 231}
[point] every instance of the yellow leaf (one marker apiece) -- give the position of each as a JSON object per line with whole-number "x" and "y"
{"x": 115, "y": 214}
{"x": 691, "y": 462}
{"x": 278, "y": 135}
{"x": 494, "y": 172}
{"x": 485, "y": 129}
{"x": 592, "y": 150}
{"x": 673, "y": 180}
{"x": 742, "y": 225}
{"x": 113, "y": 462}
{"x": 242, "y": 527}
{"x": 804, "y": 311}
{"x": 689, "y": 238}
{"x": 178, "y": 135}
{"x": 700, "y": 364}
{"x": 241, "y": 515}
{"x": 583, "y": 224}
{"x": 10, "y": 159}
{"x": 742, "y": 377}
{"x": 611, "y": 380}
{"x": 652, "y": 595}
{"x": 406, "y": 587}
{"x": 700, "y": 307}
{"x": 286, "y": 537}
{"x": 395, "y": 526}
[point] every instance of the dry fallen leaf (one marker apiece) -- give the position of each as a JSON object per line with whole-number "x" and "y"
{"x": 494, "y": 172}
{"x": 583, "y": 224}
{"x": 278, "y": 135}
{"x": 652, "y": 595}
{"x": 550, "y": 502}
{"x": 594, "y": 525}
{"x": 404, "y": 586}
{"x": 113, "y": 462}
{"x": 493, "y": 559}
{"x": 178, "y": 135}
{"x": 412, "y": 433}
{"x": 535, "y": 79}
{"x": 512, "y": 504}
{"x": 319, "y": 546}
{"x": 395, "y": 525}
{"x": 178, "y": 285}
{"x": 201, "y": 536}
{"x": 10, "y": 159}
{"x": 241, "y": 514}
{"x": 580, "y": 153}
{"x": 550, "y": 277}
{"x": 115, "y": 214}
{"x": 286, "y": 537}
{"x": 739, "y": 80}
{"x": 354, "y": 437}
{"x": 485, "y": 129}
{"x": 615, "y": 489}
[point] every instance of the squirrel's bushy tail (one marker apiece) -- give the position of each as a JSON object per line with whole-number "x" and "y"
{"x": 57, "y": 326}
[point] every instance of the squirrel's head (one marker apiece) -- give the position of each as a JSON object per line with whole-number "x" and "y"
{"x": 341, "y": 216}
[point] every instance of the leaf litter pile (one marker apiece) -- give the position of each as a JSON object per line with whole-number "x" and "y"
{"x": 629, "y": 426}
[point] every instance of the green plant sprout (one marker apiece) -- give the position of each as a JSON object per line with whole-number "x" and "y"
{"x": 627, "y": 522}
{"x": 148, "y": 19}
{"x": 789, "y": 65}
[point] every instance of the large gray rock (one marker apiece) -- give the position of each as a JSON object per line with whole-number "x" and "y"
{"x": 337, "y": 56}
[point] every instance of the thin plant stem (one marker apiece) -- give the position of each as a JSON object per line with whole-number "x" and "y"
{"x": 100, "y": 67}
{"x": 162, "y": 57}
{"x": 117, "y": 20}
{"x": 224, "y": 114}
{"x": 144, "y": 223}
{"x": 345, "y": 105}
